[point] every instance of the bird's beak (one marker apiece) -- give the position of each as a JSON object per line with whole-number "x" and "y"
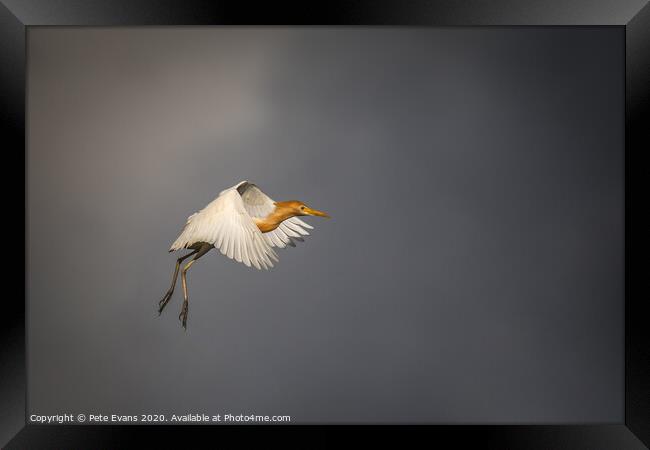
{"x": 315, "y": 212}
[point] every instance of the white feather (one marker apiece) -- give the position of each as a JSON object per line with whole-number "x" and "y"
{"x": 228, "y": 224}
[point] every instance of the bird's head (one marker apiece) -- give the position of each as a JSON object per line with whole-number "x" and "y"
{"x": 297, "y": 208}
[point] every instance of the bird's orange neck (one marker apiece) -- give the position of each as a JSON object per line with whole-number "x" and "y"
{"x": 273, "y": 220}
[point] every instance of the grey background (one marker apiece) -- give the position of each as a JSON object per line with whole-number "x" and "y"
{"x": 473, "y": 268}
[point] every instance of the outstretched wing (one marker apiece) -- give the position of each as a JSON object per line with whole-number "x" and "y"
{"x": 226, "y": 224}
{"x": 260, "y": 205}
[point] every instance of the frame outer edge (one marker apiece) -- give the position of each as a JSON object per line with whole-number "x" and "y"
{"x": 637, "y": 335}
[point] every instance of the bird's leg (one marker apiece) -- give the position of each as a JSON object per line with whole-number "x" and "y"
{"x": 183, "y": 315}
{"x": 162, "y": 303}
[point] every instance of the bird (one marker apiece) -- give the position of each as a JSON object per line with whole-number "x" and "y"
{"x": 244, "y": 224}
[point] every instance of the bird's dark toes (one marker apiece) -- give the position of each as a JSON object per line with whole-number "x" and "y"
{"x": 162, "y": 303}
{"x": 183, "y": 316}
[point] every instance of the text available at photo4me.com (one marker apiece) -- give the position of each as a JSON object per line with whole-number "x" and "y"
{"x": 96, "y": 418}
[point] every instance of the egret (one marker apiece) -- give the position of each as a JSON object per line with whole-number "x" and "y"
{"x": 244, "y": 224}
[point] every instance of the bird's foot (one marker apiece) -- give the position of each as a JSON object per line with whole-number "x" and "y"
{"x": 162, "y": 303}
{"x": 183, "y": 315}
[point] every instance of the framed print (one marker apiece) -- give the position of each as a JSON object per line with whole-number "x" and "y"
{"x": 369, "y": 214}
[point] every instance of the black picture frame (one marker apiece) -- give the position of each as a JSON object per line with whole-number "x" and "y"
{"x": 634, "y": 16}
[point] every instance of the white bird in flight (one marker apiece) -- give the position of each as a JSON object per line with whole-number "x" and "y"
{"x": 244, "y": 224}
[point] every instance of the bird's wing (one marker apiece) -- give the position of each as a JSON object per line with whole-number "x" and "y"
{"x": 227, "y": 225}
{"x": 260, "y": 205}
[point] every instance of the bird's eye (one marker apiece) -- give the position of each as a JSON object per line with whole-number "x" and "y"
{"x": 302, "y": 207}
